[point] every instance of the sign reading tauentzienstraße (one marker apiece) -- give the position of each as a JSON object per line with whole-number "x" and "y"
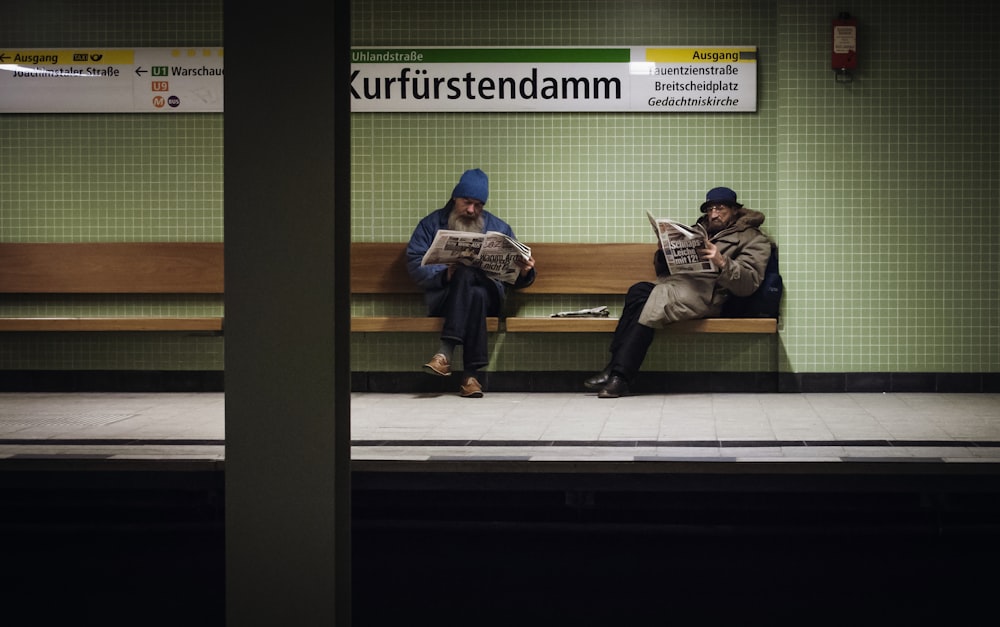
{"x": 111, "y": 80}
{"x": 636, "y": 79}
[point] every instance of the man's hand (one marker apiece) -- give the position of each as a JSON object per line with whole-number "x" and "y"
{"x": 525, "y": 264}
{"x": 711, "y": 253}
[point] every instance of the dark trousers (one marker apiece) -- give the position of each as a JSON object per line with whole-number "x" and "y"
{"x": 631, "y": 339}
{"x": 472, "y": 296}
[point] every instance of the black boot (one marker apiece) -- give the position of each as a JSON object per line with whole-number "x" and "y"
{"x": 615, "y": 387}
{"x": 599, "y": 380}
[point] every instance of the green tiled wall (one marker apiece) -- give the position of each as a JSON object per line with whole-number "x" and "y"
{"x": 880, "y": 192}
{"x": 111, "y": 177}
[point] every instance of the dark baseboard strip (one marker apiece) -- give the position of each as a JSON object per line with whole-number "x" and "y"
{"x": 537, "y": 381}
{"x": 111, "y": 380}
{"x": 691, "y": 382}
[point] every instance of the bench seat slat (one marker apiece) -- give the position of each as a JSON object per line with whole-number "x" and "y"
{"x": 589, "y": 325}
{"x": 213, "y": 324}
{"x": 406, "y": 324}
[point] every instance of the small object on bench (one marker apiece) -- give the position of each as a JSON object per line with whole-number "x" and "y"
{"x": 593, "y": 312}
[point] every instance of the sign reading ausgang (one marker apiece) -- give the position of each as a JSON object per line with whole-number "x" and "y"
{"x": 650, "y": 79}
{"x": 111, "y": 80}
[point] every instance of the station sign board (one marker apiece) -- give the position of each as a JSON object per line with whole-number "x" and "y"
{"x": 111, "y": 80}
{"x": 634, "y": 79}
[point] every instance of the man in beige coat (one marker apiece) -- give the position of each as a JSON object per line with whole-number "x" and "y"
{"x": 737, "y": 249}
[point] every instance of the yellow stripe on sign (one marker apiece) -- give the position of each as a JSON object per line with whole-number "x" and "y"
{"x": 701, "y": 55}
{"x": 70, "y": 57}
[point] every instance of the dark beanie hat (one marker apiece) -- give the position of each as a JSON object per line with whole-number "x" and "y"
{"x": 720, "y": 196}
{"x": 473, "y": 184}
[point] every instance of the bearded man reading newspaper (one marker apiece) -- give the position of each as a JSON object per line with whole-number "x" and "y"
{"x": 463, "y": 295}
{"x": 738, "y": 252}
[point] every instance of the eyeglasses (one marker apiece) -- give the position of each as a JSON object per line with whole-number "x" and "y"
{"x": 718, "y": 208}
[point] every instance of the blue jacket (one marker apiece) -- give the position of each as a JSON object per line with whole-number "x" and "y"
{"x": 431, "y": 278}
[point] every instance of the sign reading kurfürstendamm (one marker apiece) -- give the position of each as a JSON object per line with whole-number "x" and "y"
{"x": 647, "y": 79}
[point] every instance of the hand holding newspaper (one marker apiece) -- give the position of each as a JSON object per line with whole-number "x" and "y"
{"x": 492, "y": 252}
{"x": 680, "y": 245}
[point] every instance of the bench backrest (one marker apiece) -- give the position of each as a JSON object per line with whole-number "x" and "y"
{"x": 380, "y": 268}
{"x": 376, "y": 268}
{"x": 112, "y": 268}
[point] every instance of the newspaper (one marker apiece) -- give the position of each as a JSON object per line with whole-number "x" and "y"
{"x": 593, "y": 312}
{"x": 680, "y": 244}
{"x": 494, "y": 253}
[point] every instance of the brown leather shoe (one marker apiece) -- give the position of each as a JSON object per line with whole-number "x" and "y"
{"x": 471, "y": 389}
{"x": 438, "y": 365}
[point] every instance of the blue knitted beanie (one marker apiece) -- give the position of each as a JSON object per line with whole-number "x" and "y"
{"x": 473, "y": 184}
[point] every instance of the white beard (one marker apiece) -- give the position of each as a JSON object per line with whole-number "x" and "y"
{"x": 461, "y": 223}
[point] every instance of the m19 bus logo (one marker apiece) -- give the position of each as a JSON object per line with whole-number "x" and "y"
{"x": 159, "y": 102}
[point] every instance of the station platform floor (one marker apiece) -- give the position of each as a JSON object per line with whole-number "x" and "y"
{"x": 535, "y": 427}
{"x": 531, "y": 508}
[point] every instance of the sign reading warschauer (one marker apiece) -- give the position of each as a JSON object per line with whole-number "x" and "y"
{"x": 637, "y": 79}
{"x": 112, "y": 80}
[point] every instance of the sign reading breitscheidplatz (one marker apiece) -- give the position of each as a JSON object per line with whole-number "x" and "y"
{"x": 114, "y": 80}
{"x": 635, "y": 79}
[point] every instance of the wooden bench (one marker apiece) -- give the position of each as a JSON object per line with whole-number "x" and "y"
{"x": 376, "y": 269}
{"x": 563, "y": 270}
{"x": 112, "y": 268}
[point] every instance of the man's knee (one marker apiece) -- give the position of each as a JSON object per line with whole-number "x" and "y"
{"x": 639, "y": 292}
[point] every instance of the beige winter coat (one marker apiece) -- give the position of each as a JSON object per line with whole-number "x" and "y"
{"x": 701, "y": 295}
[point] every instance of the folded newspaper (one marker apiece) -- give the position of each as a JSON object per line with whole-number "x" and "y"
{"x": 680, "y": 245}
{"x": 595, "y": 312}
{"x": 492, "y": 252}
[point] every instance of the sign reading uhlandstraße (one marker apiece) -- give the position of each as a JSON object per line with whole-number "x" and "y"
{"x": 111, "y": 80}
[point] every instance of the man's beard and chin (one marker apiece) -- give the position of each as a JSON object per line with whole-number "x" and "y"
{"x": 715, "y": 226}
{"x": 459, "y": 222}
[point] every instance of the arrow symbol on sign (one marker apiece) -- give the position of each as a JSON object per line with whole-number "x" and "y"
{"x": 3, "y": 57}
{"x": 139, "y": 71}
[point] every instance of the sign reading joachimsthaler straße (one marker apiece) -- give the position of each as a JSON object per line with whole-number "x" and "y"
{"x": 636, "y": 79}
{"x": 111, "y": 80}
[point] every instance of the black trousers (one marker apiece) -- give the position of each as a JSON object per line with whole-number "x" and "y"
{"x": 472, "y": 296}
{"x": 631, "y": 340}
